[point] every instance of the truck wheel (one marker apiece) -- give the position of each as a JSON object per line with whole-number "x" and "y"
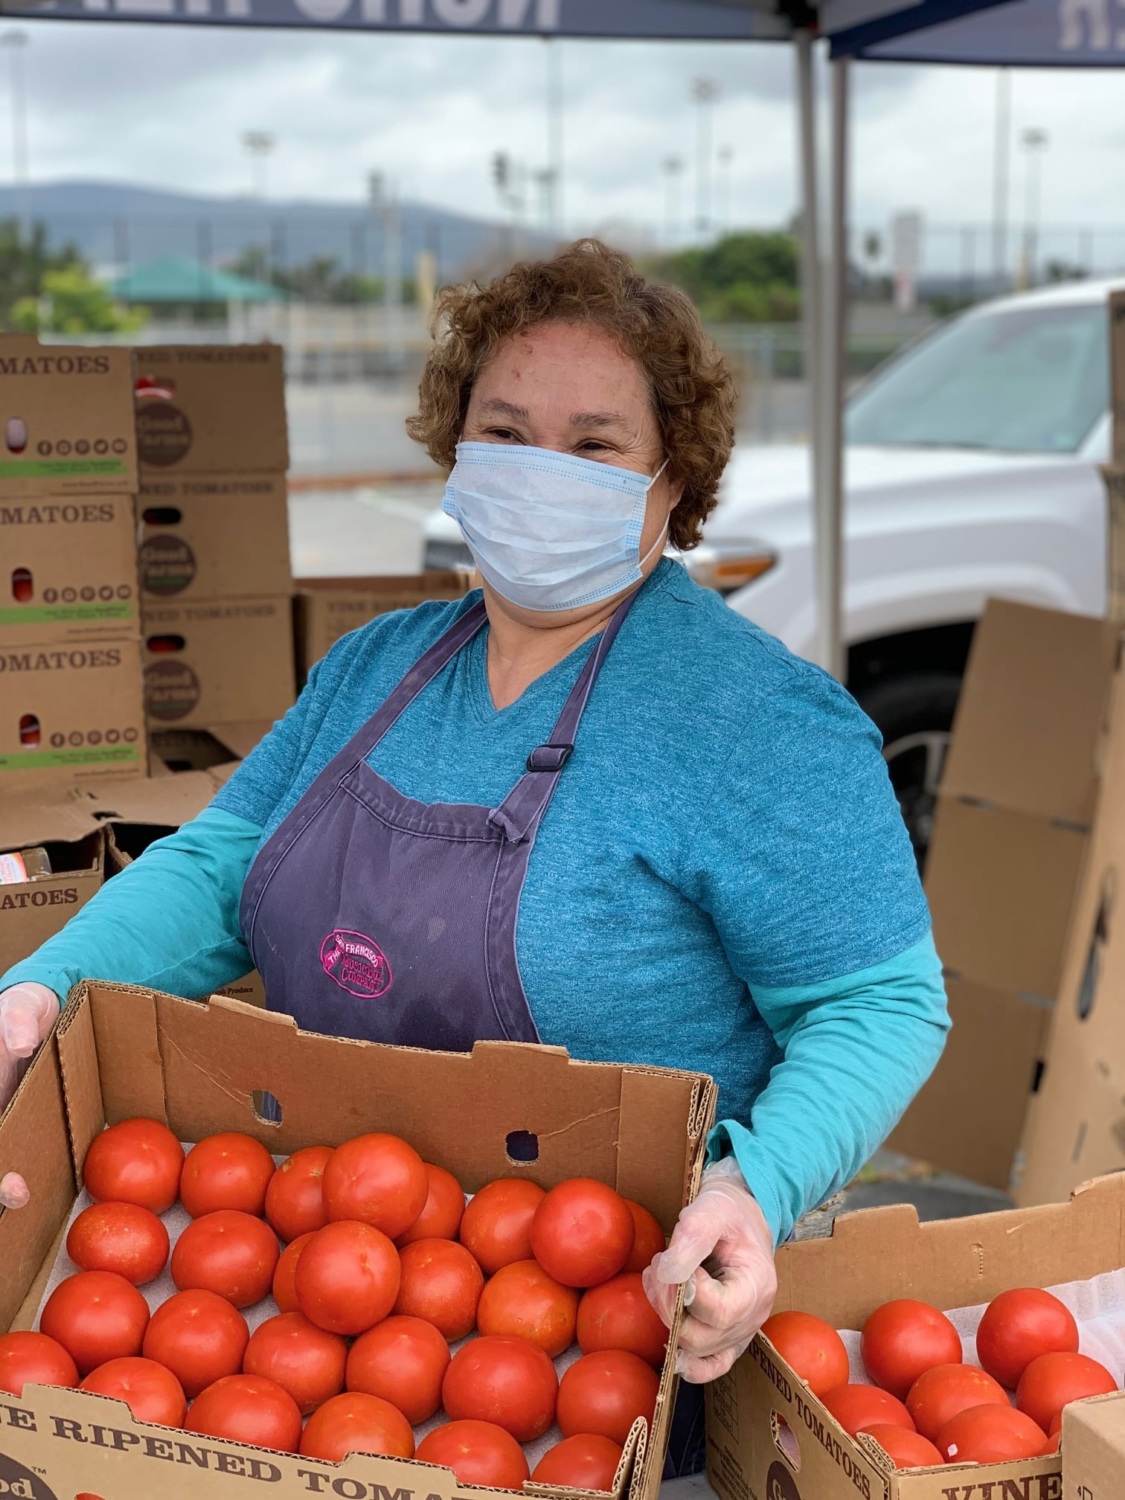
{"x": 915, "y": 717}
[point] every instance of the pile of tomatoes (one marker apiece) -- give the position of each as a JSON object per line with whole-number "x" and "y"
{"x": 384, "y": 1266}
{"x": 926, "y": 1405}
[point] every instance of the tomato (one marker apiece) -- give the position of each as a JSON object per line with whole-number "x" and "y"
{"x": 404, "y": 1360}
{"x": 618, "y": 1315}
{"x": 496, "y": 1225}
{"x": 477, "y": 1452}
{"x": 228, "y": 1252}
{"x": 357, "y": 1423}
{"x": 582, "y": 1462}
{"x": 230, "y": 1170}
{"x": 1020, "y": 1325}
{"x": 939, "y": 1394}
{"x": 95, "y": 1316}
{"x": 138, "y": 1161}
{"x": 442, "y": 1283}
{"x": 508, "y": 1381}
{"x": 247, "y": 1409}
{"x": 347, "y": 1278}
{"x": 582, "y": 1232}
{"x": 440, "y": 1218}
{"x": 377, "y": 1180}
{"x": 811, "y": 1347}
{"x": 302, "y": 1358}
{"x": 648, "y": 1237}
{"x": 152, "y": 1393}
{"x": 199, "y": 1336}
{"x": 36, "y": 1359}
{"x": 295, "y": 1194}
{"x": 906, "y": 1450}
{"x": 991, "y": 1435}
{"x": 1054, "y": 1380}
{"x": 121, "y": 1237}
{"x": 858, "y": 1407}
{"x": 284, "y": 1291}
{"x": 521, "y": 1299}
{"x": 605, "y": 1393}
{"x": 902, "y": 1339}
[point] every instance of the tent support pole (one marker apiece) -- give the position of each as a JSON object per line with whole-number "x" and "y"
{"x": 811, "y": 266}
{"x": 830, "y": 492}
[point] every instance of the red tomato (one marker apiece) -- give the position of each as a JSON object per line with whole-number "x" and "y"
{"x": 440, "y": 1218}
{"x": 902, "y": 1339}
{"x": 582, "y": 1232}
{"x": 228, "y": 1252}
{"x": 347, "y": 1278}
{"x": 284, "y": 1290}
{"x": 1020, "y": 1325}
{"x": 377, "y": 1180}
{"x": 357, "y": 1423}
{"x": 404, "y": 1360}
{"x": 906, "y": 1450}
{"x": 648, "y": 1238}
{"x": 811, "y": 1348}
{"x": 618, "y": 1315}
{"x": 858, "y": 1407}
{"x": 152, "y": 1393}
{"x": 95, "y": 1316}
{"x": 442, "y": 1283}
{"x": 230, "y": 1170}
{"x": 137, "y": 1161}
{"x": 521, "y": 1299}
{"x": 477, "y": 1452}
{"x": 496, "y": 1225}
{"x": 1054, "y": 1380}
{"x": 121, "y": 1237}
{"x": 991, "y": 1435}
{"x": 605, "y": 1393}
{"x": 508, "y": 1381}
{"x": 35, "y": 1358}
{"x": 199, "y": 1336}
{"x": 939, "y": 1394}
{"x": 247, "y": 1409}
{"x": 295, "y": 1194}
{"x": 582, "y": 1462}
{"x": 302, "y": 1358}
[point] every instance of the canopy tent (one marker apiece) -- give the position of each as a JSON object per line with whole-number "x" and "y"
{"x": 183, "y": 281}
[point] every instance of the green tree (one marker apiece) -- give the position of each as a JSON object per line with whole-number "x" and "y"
{"x": 70, "y": 302}
{"x": 24, "y": 261}
{"x": 746, "y": 278}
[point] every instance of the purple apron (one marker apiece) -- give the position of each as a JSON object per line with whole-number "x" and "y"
{"x": 373, "y": 916}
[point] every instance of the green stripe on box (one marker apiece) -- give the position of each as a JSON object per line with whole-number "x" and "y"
{"x": 53, "y": 614}
{"x": 60, "y": 468}
{"x": 39, "y": 760}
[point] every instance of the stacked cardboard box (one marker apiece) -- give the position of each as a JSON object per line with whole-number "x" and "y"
{"x": 1094, "y": 1448}
{"x": 214, "y": 547}
{"x": 327, "y": 608}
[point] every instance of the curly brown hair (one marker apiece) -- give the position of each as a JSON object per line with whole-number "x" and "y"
{"x": 692, "y": 389}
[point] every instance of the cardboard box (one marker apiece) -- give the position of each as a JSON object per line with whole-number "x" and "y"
{"x": 73, "y": 710}
{"x": 1115, "y": 544}
{"x": 66, "y": 420}
{"x": 768, "y": 1436}
{"x": 218, "y": 749}
{"x": 641, "y": 1129}
{"x": 34, "y": 910}
{"x": 1021, "y": 798}
{"x": 1117, "y": 363}
{"x": 211, "y": 661}
{"x": 69, "y": 564}
{"x": 1093, "y": 1455}
{"x": 214, "y": 537}
{"x": 210, "y": 409}
{"x": 327, "y": 608}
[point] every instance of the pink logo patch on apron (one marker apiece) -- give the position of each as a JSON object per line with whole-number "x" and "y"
{"x": 356, "y": 963}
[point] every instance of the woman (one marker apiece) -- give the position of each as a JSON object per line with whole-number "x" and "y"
{"x": 588, "y": 804}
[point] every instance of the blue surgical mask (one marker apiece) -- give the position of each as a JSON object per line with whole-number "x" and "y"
{"x": 548, "y": 530}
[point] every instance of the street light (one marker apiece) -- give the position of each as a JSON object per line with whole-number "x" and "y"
{"x": 704, "y": 92}
{"x": 1035, "y": 143}
{"x": 16, "y": 41}
{"x": 722, "y": 195}
{"x": 258, "y": 145}
{"x": 672, "y": 166}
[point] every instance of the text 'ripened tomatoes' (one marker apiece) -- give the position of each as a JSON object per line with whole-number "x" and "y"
{"x": 903, "y": 1339}
{"x": 136, "y": 1161}
{"x": 582, "y": 1232}
{"x": 1020, "y": 1325}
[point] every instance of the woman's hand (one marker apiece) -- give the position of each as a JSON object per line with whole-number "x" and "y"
{"x": 730, "y": 1299}
{"x": 27, "y": 1013}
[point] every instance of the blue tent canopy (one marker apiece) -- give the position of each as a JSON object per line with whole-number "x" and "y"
{"x": 1019, "y": 33}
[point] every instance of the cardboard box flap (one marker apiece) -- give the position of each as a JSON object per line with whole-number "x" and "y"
{"x": 1036, "y": 679}
{"x": 166, "y": 800}
{"x": 211, "y": 408}
{"x": 25, "y": 824}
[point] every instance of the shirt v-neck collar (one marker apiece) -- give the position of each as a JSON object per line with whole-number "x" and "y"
{"x": 556, "y": 682}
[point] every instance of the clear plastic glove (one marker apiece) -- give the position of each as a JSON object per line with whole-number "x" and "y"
{"x": 27, "y": 1013}
{"x": 722, "y": 1249}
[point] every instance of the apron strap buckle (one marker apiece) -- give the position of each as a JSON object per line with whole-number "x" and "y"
{"x": 549, "y": 757}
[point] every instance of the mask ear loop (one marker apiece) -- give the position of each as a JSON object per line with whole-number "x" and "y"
{"x": 663, "y": 537}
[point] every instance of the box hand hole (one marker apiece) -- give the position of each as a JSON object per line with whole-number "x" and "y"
{"x": 23, "y": 585}
{"x": 15, "y": 434}
{"x": 522, "y": 1145}
{"x": 30, "y": 732}
{"x": 266, "y": 1107}
{"x": 162, "y": 515}
{"x": 164, "y": 645}
{"x": 1088, "y": 990}
{"x": 785, "y": 1440}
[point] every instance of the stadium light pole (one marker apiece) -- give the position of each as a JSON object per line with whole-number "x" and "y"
{"x": 16, "y": 42}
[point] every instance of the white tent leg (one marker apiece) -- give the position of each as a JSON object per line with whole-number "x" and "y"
{"x": 810, "y": 269}
{"x": 830, "y": 492}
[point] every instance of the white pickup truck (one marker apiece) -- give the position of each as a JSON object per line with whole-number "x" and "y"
{"x": 971, "y": 471}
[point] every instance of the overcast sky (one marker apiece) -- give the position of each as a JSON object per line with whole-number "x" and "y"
{"x": 168, "y": 107}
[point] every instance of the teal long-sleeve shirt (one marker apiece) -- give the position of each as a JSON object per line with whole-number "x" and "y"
{"x": 722, "y": 881}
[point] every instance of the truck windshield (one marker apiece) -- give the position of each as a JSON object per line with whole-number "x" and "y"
{"x": 1033, "y": 380}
